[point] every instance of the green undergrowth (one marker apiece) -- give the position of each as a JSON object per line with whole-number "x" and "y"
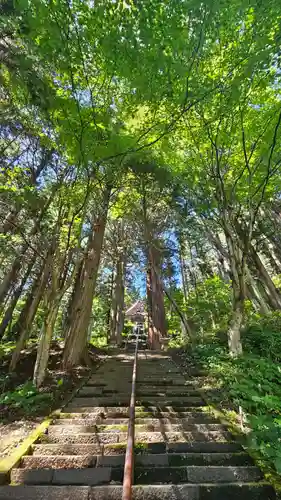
{"x": 25, "y": 398}
{"x": 251, "y": 383}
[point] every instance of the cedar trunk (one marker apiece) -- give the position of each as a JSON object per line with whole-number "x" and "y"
{"x": 238, "y": 269}
{"x": 157, "y": 317}
{"x": 27, "y": 315}
{"x": 44, "y": 344}
{"x": 81, "y": 306}
{"x": 117, "y": 303}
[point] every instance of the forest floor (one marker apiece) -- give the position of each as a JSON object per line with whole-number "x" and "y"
{"x": 22, "y": 406}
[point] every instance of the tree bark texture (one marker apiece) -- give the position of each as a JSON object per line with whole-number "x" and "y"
{"x": 17, "y": 293}
{"x": 117, "y": 302}
{"x": 237, "y": 261}
{"x": 82, "y": 299}
{"x": 23, "y": 325}
{"x": 157, "y": 316}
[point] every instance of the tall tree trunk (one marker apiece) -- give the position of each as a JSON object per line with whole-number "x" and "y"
{"x": 117, "y": 302}
{"x": 29, "y": 310}
{"x": 11, "y": 276}
{"x": 256, "y": 293}
{"x": 113, "y": 309}
{"x": 59, "y": 283}
{"x": 158, "y": 315}
{"x": 81, "y": 307}
{"x": 46, "y": 335}
{"x": 273, "y": 293}
{"x": 9, "y": 312}
{"x": 120, "y": 312}
{"x": 183, "y": 268}
{"x": 153, "y": 334}
{"x": 238, "y": 270}
{"x": 234, "y": 328}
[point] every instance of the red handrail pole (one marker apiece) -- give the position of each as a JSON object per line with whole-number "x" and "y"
{"x": 129, "y": 457}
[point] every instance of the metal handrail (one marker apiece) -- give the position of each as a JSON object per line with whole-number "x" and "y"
{"x": 129, "y": 457}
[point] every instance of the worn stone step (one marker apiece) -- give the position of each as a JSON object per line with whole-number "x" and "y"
{"x": 233, "y": 459}
{"x": 89, "y": 392}
{"x": 82, "y": 429}
{"x": 89, "y": 476}
{"x": 176, "y": 459}
{"x": 120, "y": 411}
{"x": 161, "y": 447}
{"x": 186, "y": 401}
{"x": 58, "y": 461}
{"x": 196, "y": 474}
{"x": 158, "y": 426}
{"x": 84, "y": 438}
{"x": 180, "y": 381}
{"x": 61, "y": 434}
{"x": 123, "y": 400}
{"x": 170, "y": 437}
{"x": 142, "y": 416}
{"x": 176, "y": 417}
{"x": 228, "y": 491}
{"x": 96, "y": 411}
{"x": 147, "y": 393}
{"x": 91, "y": 421}
{"x": 204, "y": 447}
{"x": 98, "y": 402}
{"x": 93, "y": 382}
{"x": 55, "y": 449}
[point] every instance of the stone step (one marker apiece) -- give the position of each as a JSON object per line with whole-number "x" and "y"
{"x": 68, "y": 434}
{"x": 196, "y": 474}
{"x": 148, "y": 423}
{"x": 204, "y": 447}
{"x": 67, "y": 449}
{"x": 57, "y": 461}
{"x": 182, "y": 459}
{"x": 186, "y": 436}
{"x": 158, "y": 426}
{"x": 180, "y": 381}
{"x": 101, "y": 414}
{"x": 180, "y": 402}
{"x": 102, "y": 383}
{"x": 83, "y": 438}
{"x": 162, "y": 381}
{"x": 166, "y": 420}
{"x": 98, "y": 402}
{"x": 121, "y": 410}
{"x": 142, "y": 475}
{"x": 196, "y": 416}
{"x": 167, "y": 393}
{"x": 228, "y": 491}
{"x": 162, "y": 447}
{"x": 56, "y": 430}
{"x": 186, "y": 401}
{"x": 96, "y": 411}
{"x": 176, "y": 459}
{"x": 89, "y": 392}
{"x": 88, "y": 476}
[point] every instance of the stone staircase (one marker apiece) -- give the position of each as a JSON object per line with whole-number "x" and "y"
{"x": 181, "y": 452}
{"x": 131, "y": 341}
